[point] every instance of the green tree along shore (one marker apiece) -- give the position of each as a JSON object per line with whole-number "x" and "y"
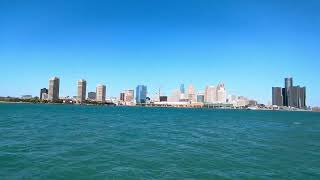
{"x": 14, "y": 99}
{"x": 36, "y": 100}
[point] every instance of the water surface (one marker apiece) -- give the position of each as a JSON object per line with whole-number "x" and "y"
{"x": 94, "y": 142}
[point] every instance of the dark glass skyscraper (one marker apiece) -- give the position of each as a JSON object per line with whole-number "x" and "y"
{"x": 141, "y": 94}
{"x": 288, "y": 83}
{"x": 277, "y": 98}
{"x": 302, "y": 98}
{"x": 43, "y": 90}
{"x": 284, "y": 96}
{"x": 293, "y": 98}
{"x": 290, "y": 96}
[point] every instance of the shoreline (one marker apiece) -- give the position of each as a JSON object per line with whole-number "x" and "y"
{"x": 155, "y": 106}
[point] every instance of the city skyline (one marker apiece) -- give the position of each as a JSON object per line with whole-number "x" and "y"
{"x": 250, "y": 46}
{"x": 290, "y": 96}
{"x": 211, "y": 94}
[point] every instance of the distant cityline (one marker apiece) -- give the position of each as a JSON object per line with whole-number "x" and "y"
{"x": 286, "y": 98}
{"x": 214, "y": 95}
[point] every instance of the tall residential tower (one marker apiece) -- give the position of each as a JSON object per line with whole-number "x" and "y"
{"x": 191, "y": 94}
{"x": 54, "y": 85}
{"x": 210, "y": 94}
{"x": 101, "y": 93}
{"x": 221, "y": 93}
{"x": 82, "y": 88}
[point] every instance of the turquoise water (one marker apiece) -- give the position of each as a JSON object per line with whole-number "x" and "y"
{"x": 94, "y": 142}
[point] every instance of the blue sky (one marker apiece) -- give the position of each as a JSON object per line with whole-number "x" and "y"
{"x": 247, "y": 44}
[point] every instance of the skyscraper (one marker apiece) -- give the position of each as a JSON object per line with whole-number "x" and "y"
{"x": 43, "y": 91}
{"x": 297, "y": 97}
{"x": 302, "y": 98}
{"x": 221, "y": 93}
{"x": 293, "y": 99}
{"x": 82, "y": 88}
{"x": 191, "y": 94}
{"x": 288, "y": 83}
{"x": 277, "y": 98}
{"x": 290, "y": 96}
{"x": 211, "y": 94}
{"x": 101, "y": 93}
{"x": 53, "y": 92}
{"x": 182, "y": 90}
{"x": 141, "y": 94}
{"x": 284, "y": 97}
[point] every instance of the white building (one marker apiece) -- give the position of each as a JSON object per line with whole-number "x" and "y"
{"x": 44, "y": 96}
{"x": 242, "y": 101}
{"x": 211, "y": 94}
{"x": 175, "y": 96}
{"x": 238, "y": 101}
{"x": 129, "y": 97}
{"x": 191, "y": 94}
{"x": 221, "y": 94}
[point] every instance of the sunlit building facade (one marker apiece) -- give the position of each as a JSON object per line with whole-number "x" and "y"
{"x": 54, "y": 86}
{"x": 211, "y": 94}
{"x": 141, "y": 94}
{"x": 101, "y": 93}
{"x": 82, "y": 91}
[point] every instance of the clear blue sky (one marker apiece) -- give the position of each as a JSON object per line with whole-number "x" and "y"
{"x": 249, "y": 45}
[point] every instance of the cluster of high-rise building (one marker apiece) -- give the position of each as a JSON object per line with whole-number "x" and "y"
{"x": 127, "y": 97}
{"x": 182, "y": 96}
{"x": 212, "y": 94}
{"x": 289, "y": 96}
{"x": 52, "y": 94}
{"x": 216, "y": 94}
